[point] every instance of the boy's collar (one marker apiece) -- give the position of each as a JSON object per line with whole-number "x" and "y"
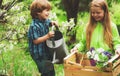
{"x": 39, "y": 20}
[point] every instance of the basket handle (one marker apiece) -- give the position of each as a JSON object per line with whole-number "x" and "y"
{"x": 54, "y": 27}
{"x": 82, "y": 59}
{"x": 73, "y": 63}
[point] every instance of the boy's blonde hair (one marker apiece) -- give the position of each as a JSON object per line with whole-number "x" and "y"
{"x": 38, "y": 6}
{"x": 106, "y": 23}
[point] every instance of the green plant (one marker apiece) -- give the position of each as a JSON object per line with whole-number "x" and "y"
{"x": 3, "y": 69}
{"x": 115, "y": 14}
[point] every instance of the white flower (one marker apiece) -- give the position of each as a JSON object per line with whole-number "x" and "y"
{"x": 99, "y": 55}
{"x": 71, "y": 23}
{"x": 100, "y": 50}
{"x": 89, "y": 54}
{"x": 96, "y": 57}
{"x": 93, "y": 54}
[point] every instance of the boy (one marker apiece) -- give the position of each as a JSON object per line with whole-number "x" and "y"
{"x": 38, "y": 34}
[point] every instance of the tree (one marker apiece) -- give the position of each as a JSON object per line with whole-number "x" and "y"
{"x": 14, "y": 20}
{"x": 72, "y": 7}
{"x": 5, "y": 8}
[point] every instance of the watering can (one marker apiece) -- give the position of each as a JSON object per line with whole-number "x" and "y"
{"x": 57, "y": 47}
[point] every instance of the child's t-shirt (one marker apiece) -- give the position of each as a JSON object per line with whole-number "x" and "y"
{"x": 97, "y": 40}
{"x": 38, "y": 29}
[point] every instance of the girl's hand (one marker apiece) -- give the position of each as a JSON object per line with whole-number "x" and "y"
{"x": 51, "y": 34}
{"x": 74, "y": 49}
{"x": 117, "y": 51}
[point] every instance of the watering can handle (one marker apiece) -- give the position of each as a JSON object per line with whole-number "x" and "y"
{"x": 53, "y": 43}
{"x": 54, "y": 27}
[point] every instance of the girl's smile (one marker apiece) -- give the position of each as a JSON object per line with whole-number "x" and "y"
{"x": 97, "y": 13}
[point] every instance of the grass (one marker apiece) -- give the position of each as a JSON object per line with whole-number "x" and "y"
{"x": 18, "y": 62}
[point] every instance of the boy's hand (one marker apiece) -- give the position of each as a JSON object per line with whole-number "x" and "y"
{"x": 54, "y": 23}
{"x": 51, "y": 34}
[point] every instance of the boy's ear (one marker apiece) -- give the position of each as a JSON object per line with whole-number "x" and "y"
{"x": 38, "y": 13}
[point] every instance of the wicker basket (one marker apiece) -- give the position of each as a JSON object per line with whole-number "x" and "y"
{"x": 77, "y": 64}
{"x": 116, "y": 68}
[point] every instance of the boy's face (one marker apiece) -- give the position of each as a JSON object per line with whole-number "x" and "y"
{"x": 44, "y": 14}
{"x": 97, "y": 13}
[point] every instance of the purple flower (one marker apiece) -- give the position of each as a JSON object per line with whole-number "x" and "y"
{"x": 92, "y": 49}
{"x": 93, "y": 62}
{"x": 107, "y": 54}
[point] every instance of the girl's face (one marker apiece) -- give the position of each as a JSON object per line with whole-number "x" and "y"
{"x": 44, "y": 14}
{"x": 97, "y": 13}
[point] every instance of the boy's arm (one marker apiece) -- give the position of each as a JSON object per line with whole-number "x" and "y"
{"x": 43, "y": 38}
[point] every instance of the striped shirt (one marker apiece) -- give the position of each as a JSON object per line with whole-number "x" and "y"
{"x": 38, "y": 29}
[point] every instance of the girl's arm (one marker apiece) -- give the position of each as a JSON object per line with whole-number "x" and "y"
{"x": 82, "y": 43}
{"x": 116, "y": 39}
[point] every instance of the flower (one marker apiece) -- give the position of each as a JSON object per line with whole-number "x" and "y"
{"x": 98, "y": 56}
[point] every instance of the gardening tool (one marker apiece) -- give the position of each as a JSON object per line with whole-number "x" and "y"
{"x": 57, "y": 46}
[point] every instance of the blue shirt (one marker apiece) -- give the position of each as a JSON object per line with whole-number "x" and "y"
{"x": 38, "y": 29}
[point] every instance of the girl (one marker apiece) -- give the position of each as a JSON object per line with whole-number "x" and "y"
{"x": 38, "y": 34}
{"x": 100, "y": 31}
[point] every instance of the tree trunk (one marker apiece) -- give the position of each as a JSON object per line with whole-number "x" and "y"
{"x": 1, "y": 3}
{"x": 118, "y": 27}
{"x": 71, "y": 7}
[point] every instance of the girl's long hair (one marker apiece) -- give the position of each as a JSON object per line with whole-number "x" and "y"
{"x": 106, "y": 24}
